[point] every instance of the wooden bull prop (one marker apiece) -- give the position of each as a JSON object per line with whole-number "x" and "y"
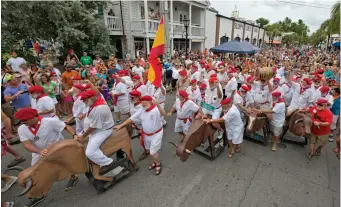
{"x": 300, "y": 123}
{"x": 198, "y": 133}
{"x": 67, "y": 157}
{"x": 255, "y": 121}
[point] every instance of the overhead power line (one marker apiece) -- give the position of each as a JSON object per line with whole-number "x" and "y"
{"x": 301, "y": 4}
{"x": 312, "y": 3}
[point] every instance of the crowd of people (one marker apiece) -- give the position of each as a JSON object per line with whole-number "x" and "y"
{"x": 39, "y": 102}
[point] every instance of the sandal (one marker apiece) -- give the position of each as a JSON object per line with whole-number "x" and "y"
{"x": 152, "y": 166}
{"x": 143, "y": 156}
{"x": 309, "y": 156}
{"x": 318, "y": 153}
{"x": 158, "y": 169}
{"x": 230, "y": 155}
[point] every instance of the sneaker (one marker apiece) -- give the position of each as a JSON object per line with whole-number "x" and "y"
{"x": 118, "y": 121}
{"x": 9, "y": 204}
{"x": 330, "y": 139}
{"x": 164, "y": 122}
{"x": 274, "y": 147}
{"x": 9, "y": 184}
{"x": 105, "y": 169}
{"x": 34, "y": 201}
{"x": 16, "y": 162}
{"x": 72, "y": 183}
{"x": 220, "y": 134}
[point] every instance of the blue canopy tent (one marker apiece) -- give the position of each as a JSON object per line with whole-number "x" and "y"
{"x": 256, "y": 49}
{"x": 336, "y": 44}
{"x": 233, "y": 46}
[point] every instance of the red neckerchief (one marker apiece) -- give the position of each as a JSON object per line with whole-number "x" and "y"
{"x": 137, "y": 86}
{"x": 184, "y": 80}
{"x": 35, "y": 129}
{"x": 275, "y": 88}
{"x": 41, "y": 96}
{"x": 117, "y": 81}
{"x": 98, "y": 102}
{"x": 193, "y": 89}
{"x": 289, "y": 86}
{"x": 203, "y": 95}
{"x": 279, "y": 101}
{"x": 302, "y": 90}
{"x": 151, "y": 108}
{"x": 241, "y": 96}
{"x": 227, "y": 110}
{"x": 137, "y": 103}
{"x": 195, "y": 70}
{"x": 182, "y": 103}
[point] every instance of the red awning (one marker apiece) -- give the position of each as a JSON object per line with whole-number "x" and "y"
{"x": 274, "y": 42}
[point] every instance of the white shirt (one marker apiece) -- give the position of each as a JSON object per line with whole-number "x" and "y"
{"x": 151, "y": 120}
{"x": 15, "y": 63}
{"x": 128, "y": 82}
{"x": 278, "y": 89}
{"x": 46, "y": 103}
{"x": 240, "y": 78}
{"x": 175, "y": 74}
{"x": 328, "y": 97}
{"x": 159, "y": 96}
{"x": 315, "y": 91}
{"x": 194, "y": 95}
{"x": 278, "y": 117}
{"x": 79, "y": 107}
{"x": 211, "y": 97}
{"x": 100, "y": 117}
{"x": 120, "y": 88}
{"x": 150, "y": 89}
{"x": 142, "y": 89}
{"x": 48, "y": 133}
{"x": 187, "y": 110}
{"x": 222, "y": 77}
{"x": 138, "y": 70}
{"x": 301, "y": 100}
{"x": 134, "y": 109}
{"x": 245, "y": 101}
{"x": 261, "y": 93}
{"x": 196, "y": 75}
{"x": 233, "y": 122}
{"x": 287, "y": 92}
{"x": 230, "y": 86}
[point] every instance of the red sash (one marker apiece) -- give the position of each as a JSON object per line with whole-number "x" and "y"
{"x": 182, "y": 103}
{"x": 186, "y": 119}
{"x": 98, "y": 102}
{"x": 35, "y": 129}
{"x": 143, "y": 133}
{"x": 279, "y": 101}
{"x": 137, "y": 86}
{"x": 302, "y": 90}
{"x": 41, "y": 96}
{"x": 151, "y": 108}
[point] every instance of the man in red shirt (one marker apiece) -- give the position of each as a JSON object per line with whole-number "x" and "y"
{"x": 322, "y": 119}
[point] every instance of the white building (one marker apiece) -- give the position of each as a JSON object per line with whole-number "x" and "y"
{"x": 134, "y": 24}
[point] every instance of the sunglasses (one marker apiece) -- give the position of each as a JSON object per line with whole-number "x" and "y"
{"x": 19, "y": 77}
{"x": 54, "y": 76}
{"x": 242, "y": 91}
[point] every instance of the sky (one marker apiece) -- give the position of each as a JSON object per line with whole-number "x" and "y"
{"x": 276, "y": 10}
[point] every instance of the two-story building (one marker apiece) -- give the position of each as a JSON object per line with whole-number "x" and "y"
{"x": 133, "y": 24}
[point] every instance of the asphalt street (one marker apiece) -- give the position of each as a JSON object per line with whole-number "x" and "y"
{"x": 255, "y": 177}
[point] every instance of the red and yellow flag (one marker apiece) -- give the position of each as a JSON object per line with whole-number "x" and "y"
{"x": 158, "y": 49}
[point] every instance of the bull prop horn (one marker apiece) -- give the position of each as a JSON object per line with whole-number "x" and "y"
{"x": 186, "y": 150}
{"x": 27, "y": 188}
{"x": 18, "y": 168}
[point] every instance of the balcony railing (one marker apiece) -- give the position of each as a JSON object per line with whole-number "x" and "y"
{"x": 197, "y": 31}
{"x": 139, "y": 25}
{"x": 178, "y": 28}
{"x": 113, "y": 23}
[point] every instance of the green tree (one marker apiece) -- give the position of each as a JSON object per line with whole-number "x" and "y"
{"x": 335, "y": 19}
{"x": 326, "y": 27}
{"x": 73, "y": 24}
{"x": 262, "y": 21}
{"x": 273, "y": 30}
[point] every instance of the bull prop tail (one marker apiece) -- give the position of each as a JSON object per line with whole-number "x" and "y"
{"x": 18, "y": 168}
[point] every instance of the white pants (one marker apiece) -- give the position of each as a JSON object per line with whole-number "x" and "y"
{"x": 163, "y": 118}
{"x": 79, "y": 126}
{"x": 181, "y": 126}
{"x": 335, "y": 118}
{"x": 153, "y": 143}
{"x": 122, "y": 106}
{"x": 92, "y": 150}
{"x": 215, "y": 114}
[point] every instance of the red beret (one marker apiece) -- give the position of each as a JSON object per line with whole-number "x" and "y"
{"x": 307, "y": 80}
{"x": 318, "y": 77}
{"x": 36, "y": 89}
{"x": 194, "y": 66}
{"x": 202, "y": 62}
{"x": 88, "y": 94}
{"x": 276, "y": 94}
{"x": 207, "y": 67}
{"x": 320, "y": 71}
{"x": 276, "y": 79}
{"x": 221, "y": 65}
{"x": 183, "y": 73}
{"x": 213, "y": 76}
{"x": 146, "y": 98}
{"x": 183, "y": 93}
{"x": 226, "y": 101}
{"x": 321, "y": 101}
{"x": 52, "y": 73}
{"x": 245, "y": 87}
{"x": 230, "y": 71}
{"x": 79, "y": 86}
{"x": 203, "y": 86}
{"x": 193, "y": 81}
{"x": 77, "y": 78}
{"x": 212, "y": 80}
{"x": 324, "y": 89}
{"x": 136, "y": 77}
{"x": 135, "y": 93}
{"x": 26, "y": 114}
{"x": 114, "y": 76}
{"x": 121, "y": 72}
{"x": 249, "y": 78}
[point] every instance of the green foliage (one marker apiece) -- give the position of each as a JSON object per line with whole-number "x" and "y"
{"x": 73, "y": 24}
{"x": 335, "y": 19}
{"x": 317, "y": 37}
{"x": 262, "y": 21}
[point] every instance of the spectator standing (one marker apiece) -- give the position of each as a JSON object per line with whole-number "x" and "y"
{"x": 85, "y": 59}
{"x": 17, "y": 93}
{"x": 15, "y": 62}
{"x": 68, "y": 75}
{"x": 25, "y": 73}
{"x": 52, "y": 69}
{"x": 49, "y": 87}
{"x": 137, "y": 69}
{"x": 335, "y": 109}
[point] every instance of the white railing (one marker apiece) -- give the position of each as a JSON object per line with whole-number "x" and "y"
{"x": 197, "y": 31}
{"x": 113, "y": 23}
{"x": 139, "y": 25}
{"x": 178, "y": 28}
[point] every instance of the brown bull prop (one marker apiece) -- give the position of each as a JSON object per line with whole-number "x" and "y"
{"x": 198, "y": 133}
{"x": 67, "y": 157}
{"x": 300, "y": 123}
{"x": 255, "y": 122}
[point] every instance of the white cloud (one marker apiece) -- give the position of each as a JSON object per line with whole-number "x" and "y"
{"x": 278, "y": 10}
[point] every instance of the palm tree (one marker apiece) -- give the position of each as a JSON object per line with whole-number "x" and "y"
{"x": 326, "y": 27}
{"x": 335, "y": 19}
